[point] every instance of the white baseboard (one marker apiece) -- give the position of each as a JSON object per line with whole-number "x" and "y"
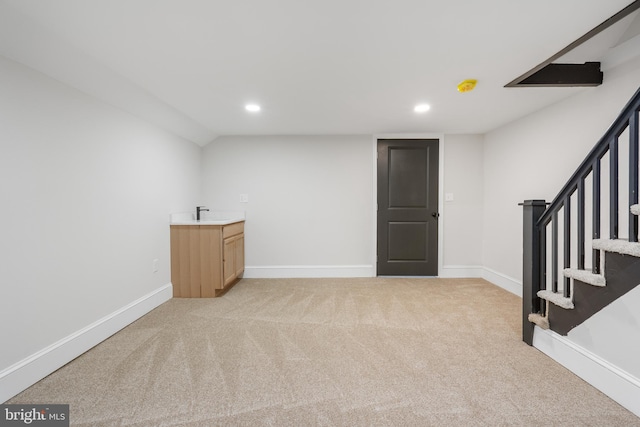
{"x": 32, "y": 369}
{"x": 299, "y": 271}
{"x": 461, "y": 271}
{"x": 505, "y": 282}
{"x": 612, "y": 381}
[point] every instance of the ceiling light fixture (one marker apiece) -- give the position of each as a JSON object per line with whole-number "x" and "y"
{"x": 254, "y": 108}
{"x": 421, "y": 108}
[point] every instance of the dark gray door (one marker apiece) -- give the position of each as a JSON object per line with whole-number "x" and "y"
{"x": 408, "y": 207}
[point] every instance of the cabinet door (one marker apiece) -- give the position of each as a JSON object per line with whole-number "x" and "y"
{"x": 233, "y": 264}
{"x": 239, "y": 258}
{"x": 229, "y": 269}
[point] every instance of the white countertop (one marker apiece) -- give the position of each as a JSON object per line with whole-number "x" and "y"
{"x": 206, "y": 218}
{"x": 201, "y": 222}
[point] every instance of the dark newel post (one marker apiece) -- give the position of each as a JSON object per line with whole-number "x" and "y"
{"x": 532, "y": 210}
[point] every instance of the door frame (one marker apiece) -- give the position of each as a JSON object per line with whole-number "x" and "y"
{"x": 374, "y": 147}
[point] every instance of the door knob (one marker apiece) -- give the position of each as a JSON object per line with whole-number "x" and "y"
{"x": 435, "y": 214}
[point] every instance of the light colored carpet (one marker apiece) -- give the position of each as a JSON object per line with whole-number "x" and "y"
{"x": 328, "y": 352}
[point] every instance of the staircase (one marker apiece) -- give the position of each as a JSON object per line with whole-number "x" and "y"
{"x": 601, "y": 196}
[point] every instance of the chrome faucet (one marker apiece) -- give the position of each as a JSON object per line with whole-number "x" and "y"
{"x": 200, "y": 209}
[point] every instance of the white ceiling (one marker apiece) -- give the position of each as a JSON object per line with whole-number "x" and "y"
{"x": 315, "y": 67}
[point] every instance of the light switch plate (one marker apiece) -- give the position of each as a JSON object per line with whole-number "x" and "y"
{"x": 448, "y": 197}
{"x": 244, "y": 198}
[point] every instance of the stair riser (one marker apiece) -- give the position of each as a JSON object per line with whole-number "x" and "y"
{"x": 621, "y": 272}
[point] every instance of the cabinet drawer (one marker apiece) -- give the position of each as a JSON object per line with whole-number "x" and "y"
{"x": 232, "y": 229}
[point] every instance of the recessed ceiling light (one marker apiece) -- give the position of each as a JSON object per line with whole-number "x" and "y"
{"x": 421, "y": 108}
{"x": 254, "y": 108}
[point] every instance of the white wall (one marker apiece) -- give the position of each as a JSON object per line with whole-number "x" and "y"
{"x": 310, "y": 209}
{"x": 320, "y": 189}
{"x": 614, "y": 333}
{"x": 86, "y": 192}
{"x": 531, "y": 159}
{"x": 462, "y": 217}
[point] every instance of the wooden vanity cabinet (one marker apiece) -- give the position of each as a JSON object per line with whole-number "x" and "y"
{"x": 206, "y": 260}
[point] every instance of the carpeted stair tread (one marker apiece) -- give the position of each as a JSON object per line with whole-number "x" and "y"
{"x": 619, "y": 246}
{"x": 585, "y": 276}
{"x": 539, "y": 320}
{"x": 557, "y": 299}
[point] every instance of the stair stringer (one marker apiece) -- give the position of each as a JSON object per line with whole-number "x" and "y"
{"x": 622, "y": 274}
